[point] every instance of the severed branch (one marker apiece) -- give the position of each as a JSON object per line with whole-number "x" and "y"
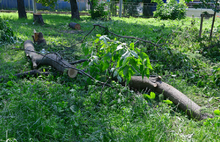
{"x": 54, "y": 60}
{"x": 178, "y": 98}
{"x": 51, "y": 59}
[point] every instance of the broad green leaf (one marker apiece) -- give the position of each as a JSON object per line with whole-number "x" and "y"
{"x": 97, "y": 40}
{"x": 98, "y": 35}
{"x": 217, "y": 112}
{"x": 132, "y": 46}
{"x": 115, "y": 73}
{"x": 125, "y": 72}
{"x": 134, "y": 54}
{"x": 105, "y": 65}
{"x": 125, "y": 55}
{"x": 119, "y": 47}
{"x": 152, "y": 95}
{"x": 148, "y": 63}
{"x": 104, "y": 38}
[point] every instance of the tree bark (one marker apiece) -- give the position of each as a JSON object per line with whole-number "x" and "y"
{"x": 74, "y": 9}
{"x": 178, "y": 98}
{"x": 50, "y": 59}
{"x": 21, "y": 9}
{"x": 91, "y": 8}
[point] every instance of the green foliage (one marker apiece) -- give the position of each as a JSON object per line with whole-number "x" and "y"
{"x": 170, "y": 10}
{"x": 56, "y": 108}
{"x": 168, "y": 102}
{"x": 98, "y": 10}
{"x": 6, "y": 33}
{"x": 151, "y": 96}
{"x": 209, "y": 4}
{"x": 116, "y": 59}
{"x": 217, "y": 112}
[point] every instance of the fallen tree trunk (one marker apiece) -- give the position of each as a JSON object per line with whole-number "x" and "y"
{"x": 52, "y": 59}
{"x": 136, "y": 82}
{"x": 177, "y": 97}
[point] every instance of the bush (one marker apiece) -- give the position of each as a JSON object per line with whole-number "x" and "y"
{"x": 6, "y": 33}
{"x": 170, "y": 10}
{"x": 99, "y": 10}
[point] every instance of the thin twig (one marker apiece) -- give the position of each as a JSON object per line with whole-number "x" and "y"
{"x": 79, "y": 61}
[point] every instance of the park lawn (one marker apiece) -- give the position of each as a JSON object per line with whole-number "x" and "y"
{"x": 48, "y": 108}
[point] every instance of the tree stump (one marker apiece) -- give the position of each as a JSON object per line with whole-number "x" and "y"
{"x": 74, "y": 26}
{"x": 38, "y": 18}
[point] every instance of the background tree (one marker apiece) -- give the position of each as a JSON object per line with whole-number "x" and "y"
{"x": 21, "y": 9}
{"x": 73, "y": 4}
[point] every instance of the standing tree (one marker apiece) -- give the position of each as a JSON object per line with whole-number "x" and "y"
{"x": 73, "y": 3}
{"x": 21, "y": 9}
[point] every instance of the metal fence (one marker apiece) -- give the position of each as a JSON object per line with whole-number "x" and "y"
{"x": 60, "y": 5}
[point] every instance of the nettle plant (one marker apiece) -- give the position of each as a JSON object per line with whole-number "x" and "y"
{"x": 116, "y": 59}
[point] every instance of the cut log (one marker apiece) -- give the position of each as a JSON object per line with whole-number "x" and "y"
{"x": 177, "y": 97}
{"x": 38, "y": 18}
{"x": 51, "y": 59}
{"x": 75, "y": 26}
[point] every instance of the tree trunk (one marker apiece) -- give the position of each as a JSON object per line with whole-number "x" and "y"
{"x": 21, "y": 9}
{"x": 91, "y": 8}
{"x": 74, "y": 9}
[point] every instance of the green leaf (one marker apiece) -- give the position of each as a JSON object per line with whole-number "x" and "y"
{"x": 119, "y": 47}
{"x": 134, "y": 54}
{"x": 151, "y": 96}
{"x": 98, "y": 35}
{"x": 10, "y": 83}
{"x": 104, "y": 38}
{"x": 168, "y": 102}
{"x": 105, "y": 65}
{"x": 132, "y": 46}
{"x": 125, "y": 55}
{"x": 217, "y": 112}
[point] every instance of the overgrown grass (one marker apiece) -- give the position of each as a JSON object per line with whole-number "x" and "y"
{"x": 49, "y": 108}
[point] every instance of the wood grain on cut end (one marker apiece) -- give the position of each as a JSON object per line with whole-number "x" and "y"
{"x": 75, "y": 26}
{"x": 72, "y": 73}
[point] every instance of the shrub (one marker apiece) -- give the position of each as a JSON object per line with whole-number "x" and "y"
{"x": 99, "y": 10}
{"x": 170, "y": 10}
{"x": 6, "y": 33}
